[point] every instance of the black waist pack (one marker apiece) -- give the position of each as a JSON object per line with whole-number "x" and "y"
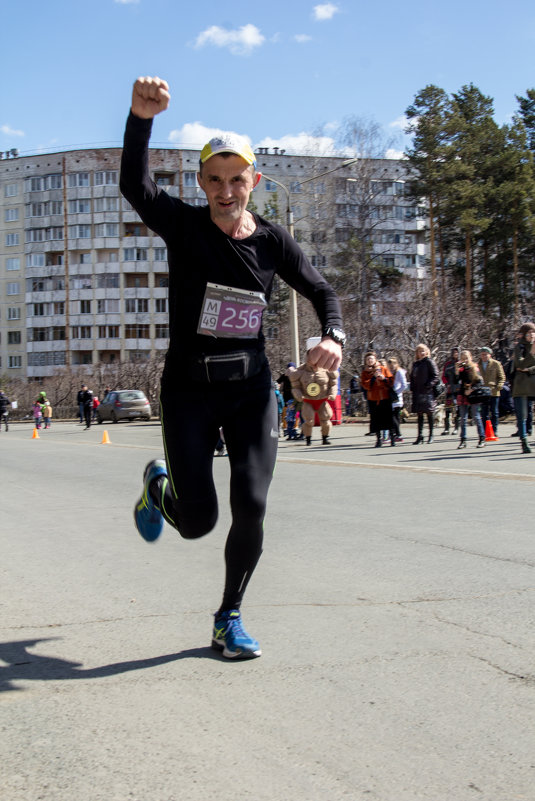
{"x": 236, "y": 366}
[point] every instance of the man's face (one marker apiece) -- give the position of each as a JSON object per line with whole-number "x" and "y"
{"x": 227, "y": 182}
{"x": 485, "y": 356}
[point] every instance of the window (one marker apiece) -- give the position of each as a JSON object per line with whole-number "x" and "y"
{"x": 80, "y": 281}
{"x": 14, "y": 362}
{"x": 13, "y": 289}
{"x": 58, "y": 333}
{"x": 80, "y": 231}
{"x": 161, "y": 280}
{"x": 107, "y": 229}
{"x": 318, "y": 261}
{"x": 135, "y": 254}
{"x": 14, "y": 337}
{"x": 11, "y": 190}
{"x": 136, "y": 280}
{"x": 13, "y": 313}
{"x": 85, "y": 258}
{"x": 135, "y": 229}
{"x": 164, "y": 178}
{"x": 81, "y": 332}
{"x": 79, "y": 179}
{"x": 35, "y": 260}
{"x": 136, "y": 331}
{"x": 59, "y": 307}
{"x": 12, "y": 240}
{"x": 160, "y": 254}
{"x": 270, "y": 186}
{"x": 113, "y": 332}
{"x": 106, "y": 204}
{"x": 54, "y": 181}
{"x": 190, "y": 179}
{"x": 35, "y": 235}
{"x": 161, "y": 305}
{"x": 11, "y": 215}
{"x": 108, "y": 281}
{"x": 56, "y": 232}
{"x": 13, "y": 264}
{"x": 34, "y": 184}
{"x": 106, "y": 178}
{"x": 108, "y": 306}
{"x": 295, "y": 187}
{"x": 38, "y": 334}
{"x": 85, "y": 307}
{"x": 139, "y": 305}
{"x": 82, "y": 206}
{"x": 162, "y": 331}
{"x": 38, "y": 309}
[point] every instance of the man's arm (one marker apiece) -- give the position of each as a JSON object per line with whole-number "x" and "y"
{"x": 150, "y": 96}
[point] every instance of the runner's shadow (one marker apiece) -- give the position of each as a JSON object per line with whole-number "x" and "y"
{"x": 25, "y": 666}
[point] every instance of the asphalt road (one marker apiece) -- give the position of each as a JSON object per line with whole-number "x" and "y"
{"x": 393, "y": 603}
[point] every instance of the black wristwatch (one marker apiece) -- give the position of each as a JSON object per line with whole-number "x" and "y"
{"x": 336, "y": 334}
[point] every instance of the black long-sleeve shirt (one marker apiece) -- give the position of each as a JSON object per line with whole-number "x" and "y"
{"x": 200, "y": 252}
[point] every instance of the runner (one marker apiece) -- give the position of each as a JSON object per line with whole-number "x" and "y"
{"x": 222, "y": 261}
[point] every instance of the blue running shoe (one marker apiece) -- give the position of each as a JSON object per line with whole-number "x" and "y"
{"x": 230, "y": 637}
{"x": 149, "y": 519}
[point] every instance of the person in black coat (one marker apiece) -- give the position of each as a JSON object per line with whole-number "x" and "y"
{"x": 424, "y": 378}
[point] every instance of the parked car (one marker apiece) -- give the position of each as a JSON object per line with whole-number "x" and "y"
{"x": 124, "y": 404}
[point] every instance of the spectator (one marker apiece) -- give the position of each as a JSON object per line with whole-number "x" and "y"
{"x": 424, "y": 379}
{"x": 5, "y": 403}
{"x": 449, "y": 379}
{"x": 80, "y": 402}
{"x": 399, "y": 386}
{"x": 491, "y": 371}
{"x": 47, "y": 413}
{"x": 469, "y": 378}
{"x": 524, "y": 379}
{"x": 377, "y": 380}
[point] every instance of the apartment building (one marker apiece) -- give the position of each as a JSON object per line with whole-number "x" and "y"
{"x": 83, "y": 281}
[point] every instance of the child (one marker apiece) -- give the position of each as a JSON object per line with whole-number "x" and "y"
{"x": 47, "y": 413}
{"x": 291, "y": 414}
{"x": 37, "y": 414}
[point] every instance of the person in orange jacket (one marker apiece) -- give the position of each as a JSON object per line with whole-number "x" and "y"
{"x": 377, "y": 380}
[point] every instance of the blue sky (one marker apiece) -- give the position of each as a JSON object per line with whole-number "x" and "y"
{"x": 274, "y": 71}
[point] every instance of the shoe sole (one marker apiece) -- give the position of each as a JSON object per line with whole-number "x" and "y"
{"x": 217, "y": 646}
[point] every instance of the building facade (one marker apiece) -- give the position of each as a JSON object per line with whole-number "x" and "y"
{"x": 83, "y": 281}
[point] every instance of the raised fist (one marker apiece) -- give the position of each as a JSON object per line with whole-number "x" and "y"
{"x": 150, "y": 96}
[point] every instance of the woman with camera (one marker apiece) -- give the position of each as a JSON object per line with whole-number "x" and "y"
{"x": 470, "y": 383}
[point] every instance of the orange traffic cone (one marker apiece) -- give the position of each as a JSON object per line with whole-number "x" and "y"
{"x": 490, "y": 436}
{"x": 105, "y": 439}
{"x": 35, "y": 434}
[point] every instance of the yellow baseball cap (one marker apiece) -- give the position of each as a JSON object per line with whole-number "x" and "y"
{"x": 228, "y": 143}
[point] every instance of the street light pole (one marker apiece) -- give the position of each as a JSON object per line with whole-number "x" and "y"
{"x": 294, "y": 323}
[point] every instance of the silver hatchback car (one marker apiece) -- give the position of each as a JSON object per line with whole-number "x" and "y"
{"x": 124, "y": 404}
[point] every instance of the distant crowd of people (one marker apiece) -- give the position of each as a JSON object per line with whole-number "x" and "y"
{"x": 465, "y": 390}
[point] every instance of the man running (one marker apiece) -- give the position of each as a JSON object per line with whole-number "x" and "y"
{"x": 222, "y": 261}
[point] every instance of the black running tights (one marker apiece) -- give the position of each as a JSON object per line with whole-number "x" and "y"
{"x": 247, "y": 411}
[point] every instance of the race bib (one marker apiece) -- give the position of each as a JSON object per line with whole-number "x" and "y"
{"x": 230, "y": 312}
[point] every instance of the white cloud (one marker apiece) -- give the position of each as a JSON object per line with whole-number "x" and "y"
{"x": 301, "y": 38}
{"x": 391, "y": 153}
{"x": 301, "y": 144}
{"x": 240, "y": 42}
{"x": 400, "y": 122}
{"x": 9, "y": 131}
{"x": 325, "y": 11}
{"x": 195, "y": 135}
